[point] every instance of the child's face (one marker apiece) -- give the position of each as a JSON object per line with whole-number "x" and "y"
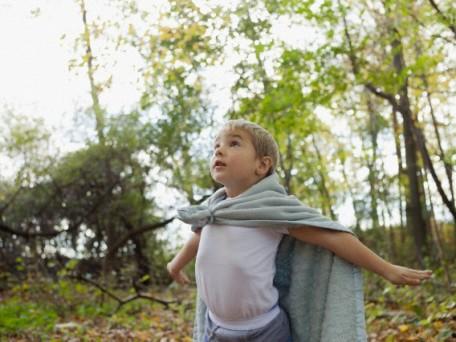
{"x": 235, "y": 163}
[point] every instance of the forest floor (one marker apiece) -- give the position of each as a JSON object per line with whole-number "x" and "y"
{"x": 71, "y": 311}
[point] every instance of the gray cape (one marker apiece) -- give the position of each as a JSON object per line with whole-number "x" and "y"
{"x": 321, "y": 293}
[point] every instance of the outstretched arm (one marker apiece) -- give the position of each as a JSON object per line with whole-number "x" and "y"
{"x": 348, "y": 247}
{"x": 182, "y": 258}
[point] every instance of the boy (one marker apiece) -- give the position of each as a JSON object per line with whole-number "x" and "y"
{"x": 259, "y": 261}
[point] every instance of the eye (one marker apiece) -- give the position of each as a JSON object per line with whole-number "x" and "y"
{"x": 216, "y": 146}
{"x": 235, "y": 143}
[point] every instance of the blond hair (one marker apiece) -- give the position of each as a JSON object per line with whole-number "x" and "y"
{"x": 263, "y": 142}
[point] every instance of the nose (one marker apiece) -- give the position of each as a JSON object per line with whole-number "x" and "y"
{"x": 219, "y": 150}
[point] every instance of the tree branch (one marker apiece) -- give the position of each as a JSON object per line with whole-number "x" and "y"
{"x": 122, "y": 301}
{"x": 447, "y": 20}
{"x": 130, "y": 234}
{"x": 378, "y": 92}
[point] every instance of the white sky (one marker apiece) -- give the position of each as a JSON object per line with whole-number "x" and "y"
{"x": 33, "y": 64}
{"x": 34, "y": 75}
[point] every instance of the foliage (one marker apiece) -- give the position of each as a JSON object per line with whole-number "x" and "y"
{"x": 25, "y": 318}
{"x": 43, "y": 309}
{"x": 54, "y": 311}
{"x": 409, "y": 313}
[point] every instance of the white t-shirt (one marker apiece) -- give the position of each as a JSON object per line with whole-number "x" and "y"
{"x": 235, "y": 268}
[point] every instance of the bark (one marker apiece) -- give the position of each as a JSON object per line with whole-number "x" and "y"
{"x": 142, "y": 263}
{"x": 287, "y": 170}
{"x": 414, "y": 197}
{"x": 400, "y": 172}
{"x": 372, "y": 177}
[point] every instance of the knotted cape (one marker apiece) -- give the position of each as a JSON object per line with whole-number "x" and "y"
{"x": 321, "y": 293}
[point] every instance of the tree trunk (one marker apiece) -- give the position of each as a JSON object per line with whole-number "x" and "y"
{"x": 142, "y": 264}
{"x": 400, "y": 172}
{"x": 437, "y": 238}
{"x": 99, "y": 113}
{"x": 372, "y": 177}
{"x": 414, "y": 209}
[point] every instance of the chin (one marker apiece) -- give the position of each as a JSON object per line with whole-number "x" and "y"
{"x": 217, "y": 179}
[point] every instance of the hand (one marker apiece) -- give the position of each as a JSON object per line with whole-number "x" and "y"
{"x": 178, "y": 275}
{"x": 400, "y": 275}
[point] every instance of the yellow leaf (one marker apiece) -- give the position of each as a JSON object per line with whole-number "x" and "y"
{"x": 437, "y": 325}
{"x": 403, "y": 328}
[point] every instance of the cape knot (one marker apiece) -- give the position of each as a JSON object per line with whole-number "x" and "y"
{"x": 211, "y": 217}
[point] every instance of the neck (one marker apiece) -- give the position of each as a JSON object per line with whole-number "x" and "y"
{"x": 236, "y": 190}
{"x": 230, "y": 193}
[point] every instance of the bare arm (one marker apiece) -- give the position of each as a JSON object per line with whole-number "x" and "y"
{"x": 348, "y": 247}
{"x": 182, "y": 258}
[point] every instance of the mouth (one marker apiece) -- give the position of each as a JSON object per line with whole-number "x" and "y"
{"x": 218, "y": 163}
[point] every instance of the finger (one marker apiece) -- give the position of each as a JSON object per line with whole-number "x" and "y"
{"x": 421, "y": 271}
{"x": 416, "y": 270}
{"x": 411, "y": 280}
{"x": 421, "y": 274}
{"x": 417, "y": 273}
{"x": 180, "y": 281}
{"x": 183, "y": 279}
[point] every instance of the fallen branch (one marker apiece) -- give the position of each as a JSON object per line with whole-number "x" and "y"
{"x": 122, "y": 301}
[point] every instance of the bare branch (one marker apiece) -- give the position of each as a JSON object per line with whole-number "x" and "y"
{"x": 8, "y": 229}
{"x": 378, "y": 92}
{"x": 145, "y": 228}
{"x": 123, "y": 301}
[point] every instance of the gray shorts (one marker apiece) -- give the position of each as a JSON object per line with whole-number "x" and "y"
{"x": 278, "y": 330}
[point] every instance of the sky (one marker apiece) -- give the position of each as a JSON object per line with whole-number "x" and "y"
{"x": 38, "y": 43}
{"x": 34, "y": 72}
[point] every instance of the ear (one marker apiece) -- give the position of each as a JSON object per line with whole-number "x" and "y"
{"x": 263, "y": 166}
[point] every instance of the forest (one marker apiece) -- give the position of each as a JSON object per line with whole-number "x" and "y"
{"x": 360, "y": 96}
